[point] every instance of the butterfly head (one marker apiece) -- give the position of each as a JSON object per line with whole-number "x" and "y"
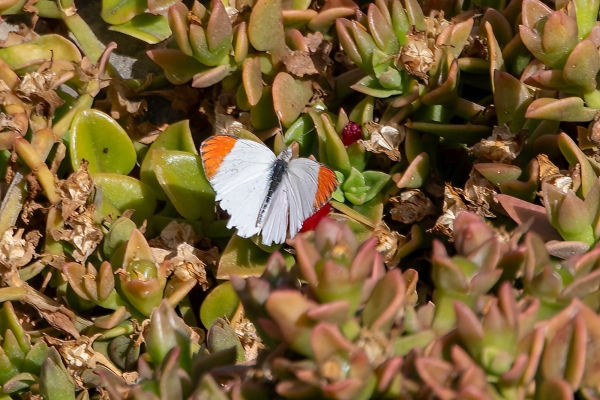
{"x": 286, "y": 154}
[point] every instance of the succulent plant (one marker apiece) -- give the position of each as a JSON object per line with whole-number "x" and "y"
{"x": 457, "y": 258}
{"x": 23, "y": 362}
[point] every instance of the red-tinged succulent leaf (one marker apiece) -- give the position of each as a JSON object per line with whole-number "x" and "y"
{"x": 179, "y": 68}
{"x": 582, "y": 66}
{"x": 210, "y": 76}
{"x": 364, "y": 261}
{"x": 495, "y": 57}
{"x": 449, "y": 276}
{"x": 487, "y": 255}
{"x": 446, "y": 93}
{"x": 335, "y": 312}
{"x": 330, "y": 14}
{"x": 534, "y": 11}
{"x": 435, "y": 373}
{"x": 287, "y": 308}
{"x": 166, "y": 332}
{"x": 470, "y": 233}
{"x": 290, "y": 96}
{"x": 582, "y": 286}
{"x": 201, "y": 49}
{"x": 523, "y": 212}
{"x": 265, "y": 29}
{"x": 343, "y": 28}
{"x": 180, "y": 25}
{"x": 385, "y": 303}
{"x": 75, "y": 273}
{"x": 307, "y": 257}
{"x": 219, "y": 33}
{"x": 569, "y": 109}
{"x": 469, "y": 328}
{"x": 381, "y": 30}
{"x": 327, "y": 340}
{"x": 498, "y": 172}
{"x": 511, "y": 98}
{"x": 252, "y": 80}
{"x": 415, "y": 175}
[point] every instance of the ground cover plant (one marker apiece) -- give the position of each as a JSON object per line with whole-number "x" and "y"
{"x": 457, "y": 259}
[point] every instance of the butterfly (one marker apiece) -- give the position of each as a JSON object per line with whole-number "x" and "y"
{"x": 263, "y": 193}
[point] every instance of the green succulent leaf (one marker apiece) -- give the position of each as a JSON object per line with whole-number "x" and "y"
{"x": 376, "y": 181}
{"x": 27, "y": 56}
{"x": 119, "y": 233}
{"x": 100, "y": 140}
{"x": 243, "y": 258}
{"x": 373, "y": 87}
{"x": 55, "y": 381}
{"x": 151, "y": 29}
{"x": 116, "y": 12}
{"x": 202, "y": 51}
{"x": 331, "y": 145}
{"x": 363, "y": 112}
{"x": 181, "y": 176}
{"x": 121, "y": 193}
{"x": 354, "y": 187}
{"x": 221, "y": 336}
{"x": 176, "y": 137}
{"x": 221, "y": 302}
{"x": 262, "y": 116}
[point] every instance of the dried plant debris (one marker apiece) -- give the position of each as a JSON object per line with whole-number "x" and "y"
{"x": 477, "y": 196}
{"x": 15, "y": 250}
{"x": 314, "y": 60}
{"x": 417, "y": 57}
{"x": 411, "y": 206}
{"x": 389, "y": 243}
{"x": 549, "y": 173}
{"x": 502, "y": 147}
{"x": 75, "y": 192}
{"x": 384, "y": 140}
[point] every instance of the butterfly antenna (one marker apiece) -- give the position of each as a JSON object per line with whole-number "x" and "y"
{"x": 278, "y": 113}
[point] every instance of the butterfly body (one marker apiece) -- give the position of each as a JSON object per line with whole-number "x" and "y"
{"x": 264, "y": 193}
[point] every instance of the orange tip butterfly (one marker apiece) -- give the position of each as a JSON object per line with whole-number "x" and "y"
{"x": 264, "y": 193}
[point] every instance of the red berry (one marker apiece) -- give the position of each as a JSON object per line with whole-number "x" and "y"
{"x": 311, "y": 222}
{"x": 352, "y": 133}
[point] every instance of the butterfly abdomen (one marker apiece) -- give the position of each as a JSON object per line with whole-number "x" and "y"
{"x": 277, "y": 171}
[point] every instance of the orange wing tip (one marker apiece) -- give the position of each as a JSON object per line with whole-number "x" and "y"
{"x": 213, "y": 151}
{"x": 326, "y": 184}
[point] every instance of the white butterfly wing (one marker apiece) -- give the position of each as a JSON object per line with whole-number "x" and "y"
{"x": 305, "y": 187}
{"x": 239, "y": 172}
{"x": 275, "y": 220}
